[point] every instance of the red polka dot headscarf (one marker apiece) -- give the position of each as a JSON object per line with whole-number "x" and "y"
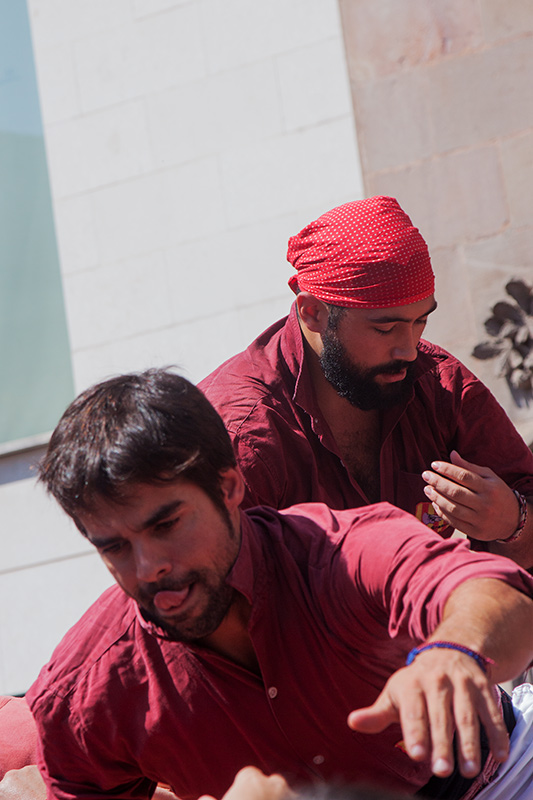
{"x": 362, "y": 254}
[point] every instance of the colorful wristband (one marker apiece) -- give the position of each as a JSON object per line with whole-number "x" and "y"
{"x": 484, "y": 662}
{"x": 522, "y": 502}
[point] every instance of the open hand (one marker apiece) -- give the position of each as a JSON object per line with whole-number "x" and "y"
{"x": 441, "y": 693}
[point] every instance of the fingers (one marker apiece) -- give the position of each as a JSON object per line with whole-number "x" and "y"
{"x": 454, "y": 504}
{"x": 410, "y": 711}
{"x": 453, "y": 490}
{"x": 432, "y": 704}
{"x": 454, "y": 478}
{"x": 471, "y": 498}
{"x": 495, "y": 728}
{"x": 467, "y": 733}
{"x": 416, "y": 725}
{"x": 470, "y": 710}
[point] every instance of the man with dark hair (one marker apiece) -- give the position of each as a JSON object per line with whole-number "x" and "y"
{"x": 247, "y": 638}
{"x": 342, "y": 402}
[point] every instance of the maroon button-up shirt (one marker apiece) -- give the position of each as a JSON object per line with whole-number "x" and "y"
{"x": 120, "y": 707}
{"x": 287, "y": 453}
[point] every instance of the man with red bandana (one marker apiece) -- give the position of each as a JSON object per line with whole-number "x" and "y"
{"x": 343, "y": 402}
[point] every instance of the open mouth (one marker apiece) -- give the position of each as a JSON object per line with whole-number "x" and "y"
{"x": 169, "y": 602}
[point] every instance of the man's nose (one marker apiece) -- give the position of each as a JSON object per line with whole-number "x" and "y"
{"x": 405, "y": 346}
{"x": 151, "y": 563}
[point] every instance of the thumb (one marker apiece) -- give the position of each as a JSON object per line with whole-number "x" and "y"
{"x": 456, "y": 459}
{"x": 459, "y": 461}
{"x": 374, "y": 718}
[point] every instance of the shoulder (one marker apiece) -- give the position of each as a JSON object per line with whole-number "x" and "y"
{"x": 313, "y": 532}
{"x": 445, "y": 384}
{"x": 438, "y": 365}
{"x": 258, "y": 377}
{"x": 103, "y": 629}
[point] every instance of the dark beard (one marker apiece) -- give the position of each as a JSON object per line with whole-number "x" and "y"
{"x": 219, "y": 594}
{"x": 220, "y": 598}
{"x": 358, "y": 385}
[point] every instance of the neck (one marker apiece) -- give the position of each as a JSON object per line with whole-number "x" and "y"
{"x": 231, "y": 639}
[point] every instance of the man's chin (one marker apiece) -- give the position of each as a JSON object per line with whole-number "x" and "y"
{"x": 381, "y": 396}
{"x": 395, "y": 391}
{"x": 198, "y": 623}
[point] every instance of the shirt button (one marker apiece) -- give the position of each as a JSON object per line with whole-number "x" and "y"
{"x": 318, "y": 760}
{"x": 272, "y": 692}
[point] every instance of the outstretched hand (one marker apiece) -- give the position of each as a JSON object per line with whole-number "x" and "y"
{"x": 441, "y": 693}
{"x": 472, "y": 499}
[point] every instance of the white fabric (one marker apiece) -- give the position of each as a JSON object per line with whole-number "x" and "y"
{"x": 514, "y": 779}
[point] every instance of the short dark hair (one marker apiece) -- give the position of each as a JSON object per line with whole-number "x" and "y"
{"x": 148, "y": 427}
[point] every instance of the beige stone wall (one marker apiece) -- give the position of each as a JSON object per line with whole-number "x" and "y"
{"x": 443, "y": 100}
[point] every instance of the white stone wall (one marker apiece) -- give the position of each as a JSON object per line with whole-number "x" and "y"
{"x": 187, "y": 140}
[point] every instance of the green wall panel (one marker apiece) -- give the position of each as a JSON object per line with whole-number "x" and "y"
{"x": 35, "y": 368}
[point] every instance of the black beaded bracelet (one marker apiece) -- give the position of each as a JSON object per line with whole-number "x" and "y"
{"x": 482, "y": 661}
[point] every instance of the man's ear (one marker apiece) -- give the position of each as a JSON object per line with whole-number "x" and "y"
{"x": 313, "y": 312}
{"x": 232, "y": 487}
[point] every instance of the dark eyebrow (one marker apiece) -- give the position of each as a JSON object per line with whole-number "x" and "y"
{"x": 161, "y": 513}
{"x": 399, "y": 318}
{"x": 100, "y": 543}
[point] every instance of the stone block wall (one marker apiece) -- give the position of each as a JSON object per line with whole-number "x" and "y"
{"x": 444, "y": 117}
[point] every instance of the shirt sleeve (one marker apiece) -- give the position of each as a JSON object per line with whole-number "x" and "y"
{"x": 90, "y": 754}
{"x": 394, "y": 572}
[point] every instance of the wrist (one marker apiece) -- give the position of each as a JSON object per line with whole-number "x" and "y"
{"x": 483, "y": 662}
{"x": 522, "y": 519}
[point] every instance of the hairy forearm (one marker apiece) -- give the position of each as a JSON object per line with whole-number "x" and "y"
{"x": 494, "y": 619}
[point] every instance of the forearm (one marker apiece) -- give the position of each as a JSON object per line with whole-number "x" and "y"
{"x": 494, "y": 619}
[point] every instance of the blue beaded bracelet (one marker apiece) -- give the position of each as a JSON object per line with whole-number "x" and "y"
{"x": 482, "y": 661}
